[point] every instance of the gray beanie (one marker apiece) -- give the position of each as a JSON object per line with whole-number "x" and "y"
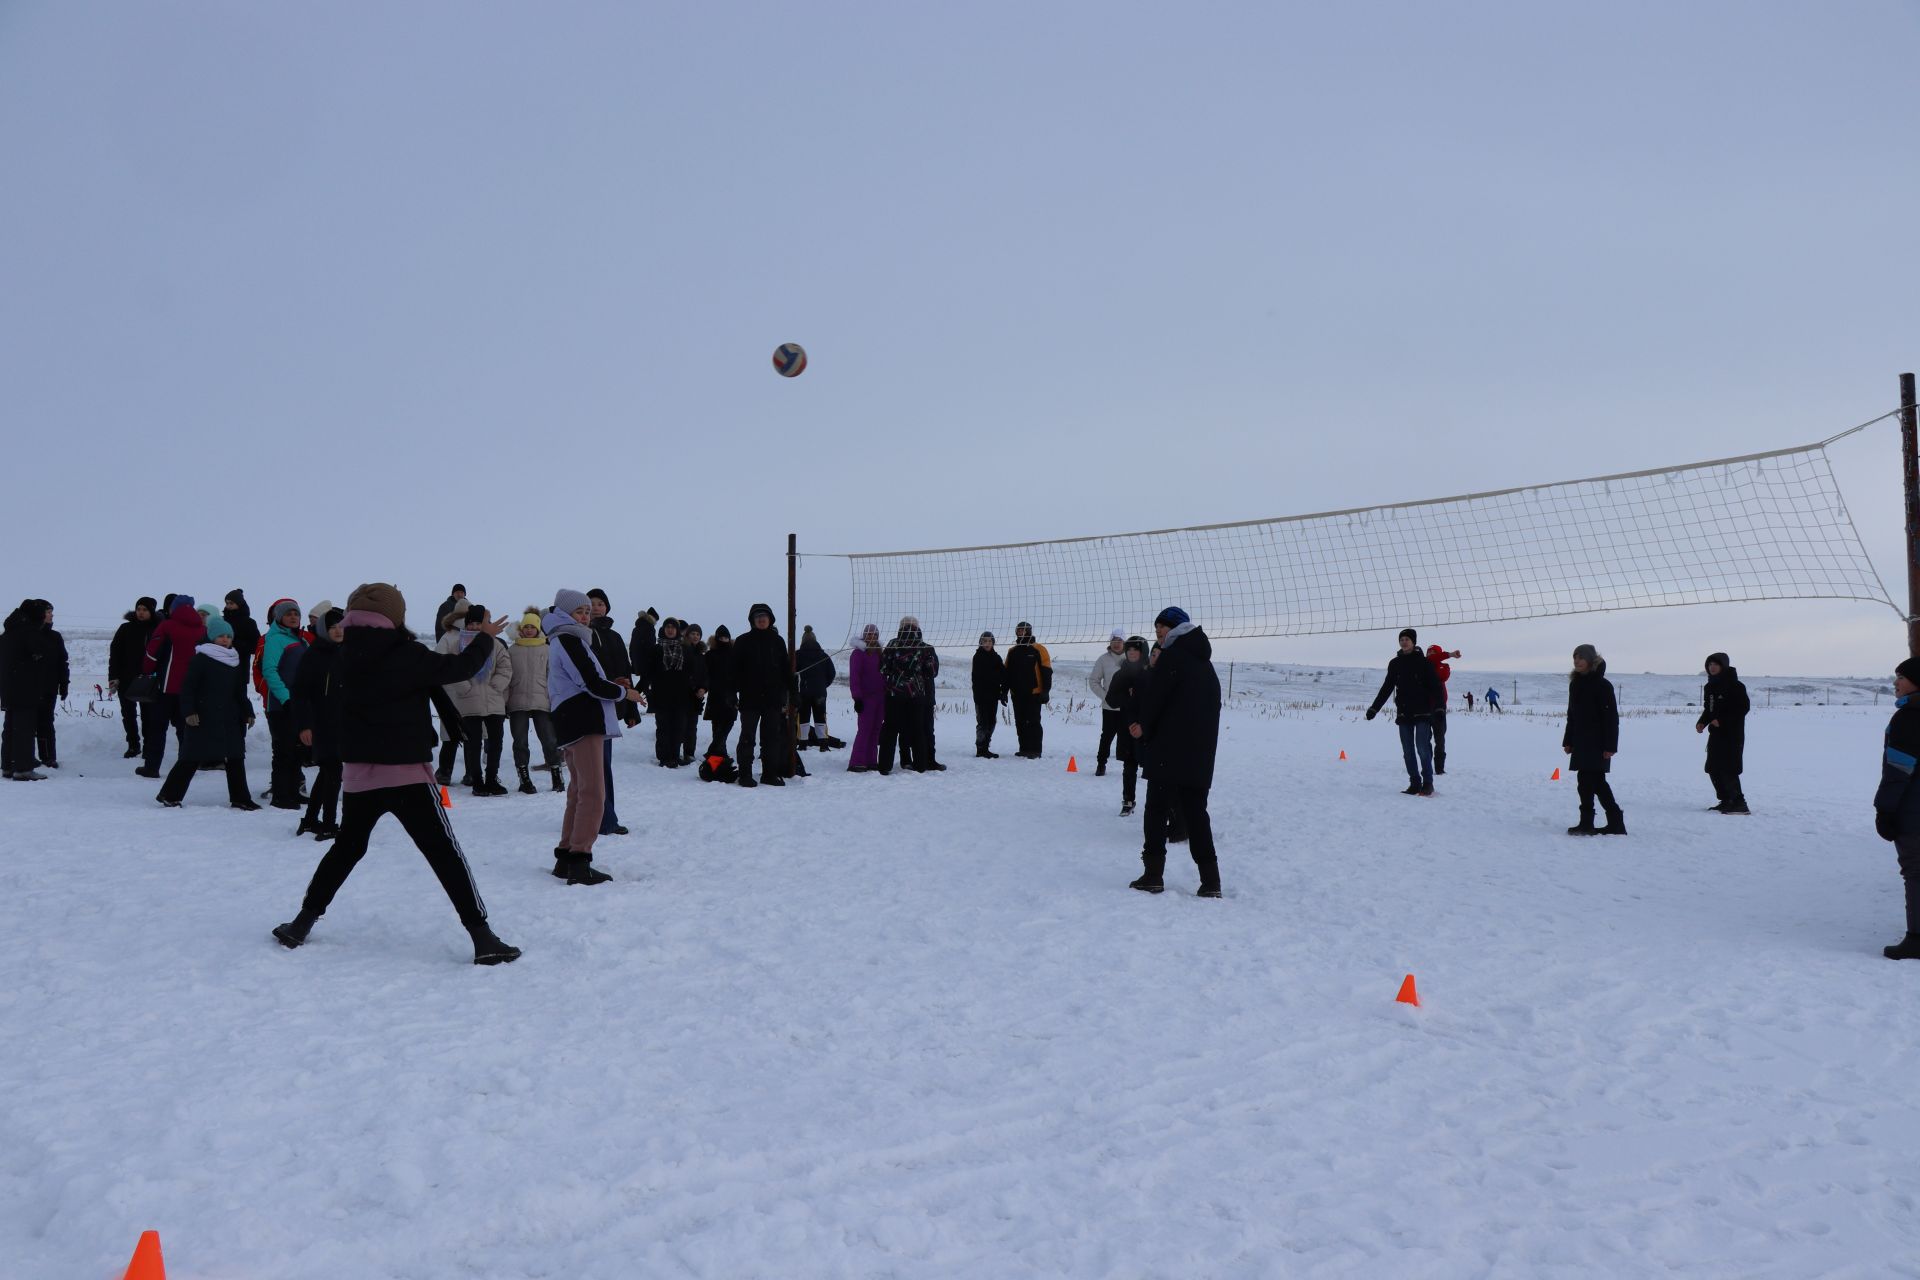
{"x": 566, "y": 600}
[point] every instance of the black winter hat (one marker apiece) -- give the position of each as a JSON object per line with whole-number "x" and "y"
{"x": 1137, "y": 642}
{"x": 1910, "y": 669}
{"x": 1726, "y": 664}
{"x": 987, "y": 635}
{"x": 1410, "y": 634}
{"x": 331, "y": 619}
{"x": 759, "y": 609}
{"x": 236, "y": 596}
{"x": 595, "y": 593}
{"x": 146, "y": 602}
{"x": 476, "y": 614}
{"x": 721, "y": 633}
{"x": 459, "y": 589}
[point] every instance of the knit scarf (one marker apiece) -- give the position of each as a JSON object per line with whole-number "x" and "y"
{"x": 219, "y": 653}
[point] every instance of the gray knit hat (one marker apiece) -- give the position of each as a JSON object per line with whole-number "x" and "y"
{"x": 566, "y": 599}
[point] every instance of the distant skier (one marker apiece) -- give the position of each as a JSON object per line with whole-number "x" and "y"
{"x": 1469, "y": 700}
{"x": 1896, "y": 805}
{"x": 1438, "y": 657}
{"x": 1723, "y": 718}
{"x": 1416, "y": 691}
{"x": 1493, "y": 699}
{"x": 1592, "y": 737}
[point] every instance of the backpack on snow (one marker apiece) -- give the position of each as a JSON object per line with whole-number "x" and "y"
{"x": 719, "y": 768}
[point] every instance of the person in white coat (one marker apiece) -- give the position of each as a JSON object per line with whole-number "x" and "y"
{"x": 527, "y": 704}
{"x": 1098, "y": 680}
{"x": 482, "y": 701}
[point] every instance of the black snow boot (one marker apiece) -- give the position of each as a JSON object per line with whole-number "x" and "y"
{"x": 133, "y": 751}
{"x": 1413, "y": 788}
{"x": 1126, "y": 808}
{"x": 1908, "y": 948}
{"x": 1585, "y": 827}
{"x": 560, "y": 858}
{"x": 294, "y": 932}
{"x": 526, "y": 782}
{"x": 580, "y": 870}
{"x": 559, "y": 781}
{"x": 773, "y": 780}
{"x": 1148, "y": 884}
{"x": 488, "y": 949}
{"x": 1100, "y": 769}
{"x": 1736, "y": 805}
{"x": 746, "y": 778}
{"x": 1616, "y": 824}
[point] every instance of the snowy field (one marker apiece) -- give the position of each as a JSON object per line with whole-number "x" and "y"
{"x": 919, "y": 1027}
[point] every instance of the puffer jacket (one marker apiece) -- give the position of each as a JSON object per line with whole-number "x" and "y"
{"x": 527, "y": 690}
{"x": 486, "y": 693}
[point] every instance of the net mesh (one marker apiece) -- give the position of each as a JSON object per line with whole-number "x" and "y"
{"x": 1768, "y": 526}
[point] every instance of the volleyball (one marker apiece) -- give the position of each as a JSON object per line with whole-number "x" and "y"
{"x": 789, "y": 359}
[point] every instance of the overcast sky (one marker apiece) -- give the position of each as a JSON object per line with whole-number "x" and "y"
{"x": 296, "y": 296}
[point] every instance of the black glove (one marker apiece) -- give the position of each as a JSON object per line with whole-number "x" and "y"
{"x": 1886, "y": 824}
{"x": 1372, "y": 712}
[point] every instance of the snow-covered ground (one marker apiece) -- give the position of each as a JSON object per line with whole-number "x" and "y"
{"x": 919, "y": 1027}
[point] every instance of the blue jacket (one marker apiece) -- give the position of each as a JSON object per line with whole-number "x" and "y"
{"x": 279, "y": 662}
{"x": 1899, "y": 754}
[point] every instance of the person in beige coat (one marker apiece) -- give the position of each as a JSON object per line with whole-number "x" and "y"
{"x": 482, "y": 701}
{"x": 527, "y": 703}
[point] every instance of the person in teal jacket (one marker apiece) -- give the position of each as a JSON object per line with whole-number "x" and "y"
{"x": 280, "y": 653}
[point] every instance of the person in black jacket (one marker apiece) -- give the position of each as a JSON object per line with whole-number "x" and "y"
{"x": 691, "y": 637}
{"x": 989, "y": 695}
{"x": 1896, "y": 805}
{"x": 1177, "y": 716}
{"x": 1417, "y": 694}
{"x": 25, "y": 677}
{"x": 617, "y": 663}
{"x": 59, "y": 674}
{"x": 386, "y": 682}
{"x": 123, "y": 668}
{"x": 456, "y": 600}
{"x": 723, "y": 693}
{"x": 1723, "y": 718}
{"x": 642, "y": 644}
{"x": 1124, "y": 689}
{"x": 316, "y": 719}
{"x": 1030, "y": 685}
{"x": 1592, "y": 738}
{"x": 670, "y": 695}
{"x": 816, "y": 677}
{"x": 762, "y": 676}
{"x": 246, "y": 632}
{"x": 215, "y": 715}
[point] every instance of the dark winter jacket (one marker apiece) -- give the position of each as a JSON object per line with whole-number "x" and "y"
{"x": 907, "y": 666}
{"x": 723, "y": 696}
{"x": 1900, "y": 755}
{"x": 611, "y": 650}
{"x": 128, "y": 647}
{"x": 246, "y": 641}
{"x": 762, "y": 670}
{"x": 989, "y": 677}
{"x": 817, "y": 671}
{"x": 216, "y": 691}
{"x": 1029, "y": 672}
{"x": 384, "y": 681}
{"x": 1179, "y": 710}
{"x": 1593, "y": 720}
{"x": 641, "y": 646}
{"x": 27, "y": 673}
{"x": 1725, "y": 699}
{"x": 59, "y": 670}
{"x": 1415, "y": 686}
{"x": 1125, "y": 688}
{"x": 173, "y": 643}
{"x": 315, "y": 706}
{"x": 673, "y": 671}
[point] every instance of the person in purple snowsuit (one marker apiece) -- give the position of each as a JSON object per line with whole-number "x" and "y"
{"x": 869, "y": 700}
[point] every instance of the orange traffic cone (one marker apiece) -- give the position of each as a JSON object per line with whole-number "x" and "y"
{"x": 146, "y": 1264}
{"x": 1407, "y": 993}
{"x": 1343, "y": 755}
{"x": 1072, "y": 765}
{"x": 446, "y": 799}
{"x": 1555, "y": 777}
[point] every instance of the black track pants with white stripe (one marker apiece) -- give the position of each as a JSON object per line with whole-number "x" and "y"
{"x": 417, "y": 806}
